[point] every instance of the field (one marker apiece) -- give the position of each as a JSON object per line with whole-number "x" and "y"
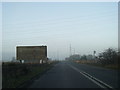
{"x": 16, "y": 74}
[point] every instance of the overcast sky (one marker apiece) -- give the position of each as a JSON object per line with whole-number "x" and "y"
{"x": 86, "y": 26}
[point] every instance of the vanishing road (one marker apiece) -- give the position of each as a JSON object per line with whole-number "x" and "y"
{"x": 72, "y": 75}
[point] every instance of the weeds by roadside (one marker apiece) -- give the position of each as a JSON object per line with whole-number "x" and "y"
{"x": 95, "y": 63}
{"x": 14, "y": 74}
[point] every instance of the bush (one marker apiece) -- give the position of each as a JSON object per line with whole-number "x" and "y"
{"x": 109, "y": 56}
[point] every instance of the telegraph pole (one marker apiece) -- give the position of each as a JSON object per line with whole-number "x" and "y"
{"x": 94, "y": 52}
{"x": 70, "y": 49}
{"x": 58, "y": 55}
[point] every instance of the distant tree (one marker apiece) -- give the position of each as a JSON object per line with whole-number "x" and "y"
{"x": 67, "y": 58}
{"x": 84, "y": 57}
{"x": 89, "y": 57}
{"x": 109, "y": 56}
{"x": 73, "y": 57}
{"x": 118, "y": 57}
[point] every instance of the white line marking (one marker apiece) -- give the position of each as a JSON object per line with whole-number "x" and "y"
{"x": 99, "y": 80}
{"x": 90, "y": 77}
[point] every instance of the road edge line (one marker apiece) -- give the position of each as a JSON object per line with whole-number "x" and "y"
{"x": 93, "y": 79}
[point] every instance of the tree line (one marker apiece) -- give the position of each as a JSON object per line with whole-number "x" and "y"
{"x": 108, "y": 56}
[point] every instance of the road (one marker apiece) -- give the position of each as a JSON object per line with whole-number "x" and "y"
{"x": 72, "y": 75}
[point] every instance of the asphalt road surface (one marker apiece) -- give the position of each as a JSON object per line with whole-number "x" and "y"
{"x": 72, "y": 75}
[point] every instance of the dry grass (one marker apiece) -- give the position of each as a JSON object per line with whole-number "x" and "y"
{"x": 14, "y": 74}
{"x": 86, "y": 61}
{"x": 94, "y": 63}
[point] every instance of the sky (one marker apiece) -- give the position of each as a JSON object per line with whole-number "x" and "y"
{"x": 86, "y": 26}
{"x": 0, "y": 31}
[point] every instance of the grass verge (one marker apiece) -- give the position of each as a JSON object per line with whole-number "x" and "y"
{"x": 93, "y": 63}
{"x": 16, "y": 75}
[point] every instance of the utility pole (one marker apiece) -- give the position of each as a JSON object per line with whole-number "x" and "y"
{"x": 57, "y": 54}
{"x": 94, "y": 52}
{"x": 70, "y": 49}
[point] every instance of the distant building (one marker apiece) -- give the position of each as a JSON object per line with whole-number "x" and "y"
{"x": 31, "y": 54}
